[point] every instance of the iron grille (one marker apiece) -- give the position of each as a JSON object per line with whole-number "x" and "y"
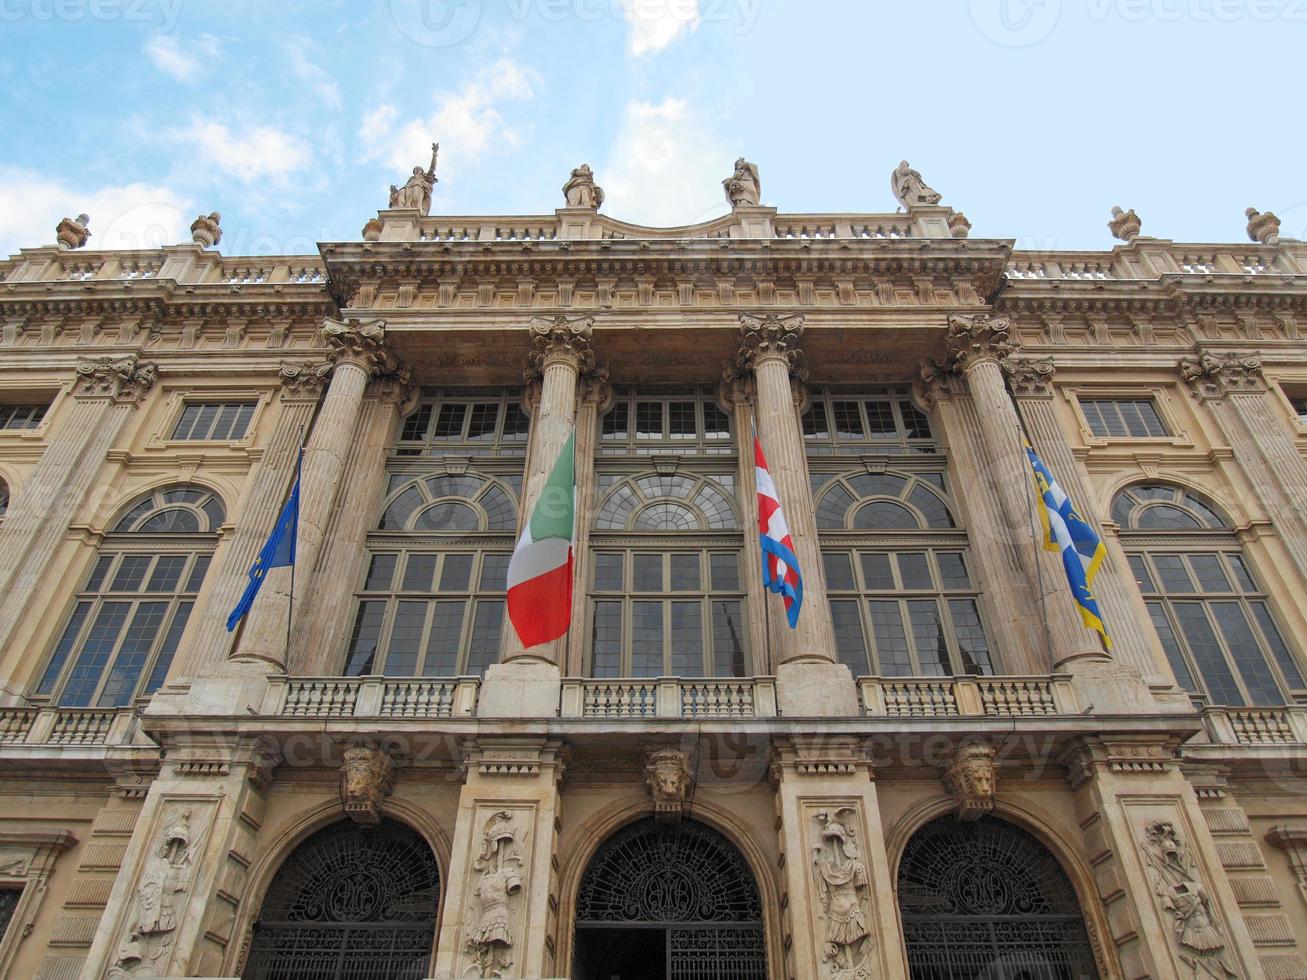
{"x": 986, "y": 901}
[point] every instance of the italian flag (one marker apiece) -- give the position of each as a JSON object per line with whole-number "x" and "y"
{"x": 540, "y": 571}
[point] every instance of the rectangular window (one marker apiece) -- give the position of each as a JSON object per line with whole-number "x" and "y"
{"x": 1120, "y": 418}
{"x": 835, "y": 423}
{"x": 213, "y": 421}
{"x": 685, "y": 423}
{"x": 21, "y": 416}
{"x": 456, "y": 424}
{"x": 1300, "y": 407}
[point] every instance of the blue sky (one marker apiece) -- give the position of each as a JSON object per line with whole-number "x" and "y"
{"x": 1032, "y": 116}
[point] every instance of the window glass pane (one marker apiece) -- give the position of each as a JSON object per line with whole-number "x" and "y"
{"x": 399, "y": 512}
{"x": 443, "y": 641}
{"x": 952, "y": 570}
{"x": 517, "y": 424}
{"x": 648, "y": 573}
{"x": 608, "y": 573}
{"x": 198, "y": 570}
{"x": 834, "y": 505}
{"x": 880, "y": 418}
{"x": 1241, "y": 573}
{"x": 449, "y": 516}
{"x": 1211, "y": 577}
{"x": 171, "y": 521}
{"x": 419, "y": 573}
{"x": 98, "y": 573}
{"x": 606, "y": 640}
{"x": 970, "y": 636}
{"x": 931, "y": 507}
{"x": 646, "y": 639}
{"x": 1174, "y": 656}
{"x": 132, "y": 654}
{"x": 892, "y": 655}
{"x": 64, "y": 648}
{"x": 363, "y": 639}
{"x": 848, "y": 420}
{"x": 680, "y": 420}
{"x": 928, "y": 637}
{"x": 728, "y": 639}
{"x": 716, "y": 424}
{"x": 94, "y": 654}
{"x": 405, "y": 639}
{"x": 648, "y": 420}
{"x": 884, "y": 515}
{"x": 1288, "y": 664}
{"x": 1140, "y": 570}
{"x": 449, "y": 423}
{"x": 615, "y": 422}
{"x": 1165, "y": 517}
{"x": 481, "y": 426}
{"x": 725, "y": 572}
{"x": 21, "y": 416}
{"x": 850, "y": 644}
{"x": 169, "y": 648}
{"x": 415, "y": 426}
{"x": 876, "y": 572}
{"x": 487, "y": 624}
{"x": 131, "y": 572}
{"x": 685, "y": 573}
{"x": 914, "y": 421}
{"x": 815, "y": 423}
{"x": 914, "y": 571}
{"x": 380, "y": 573}
{"x": 1206, "y": 651}
{"x": 1248, "y": 656}
{"x": 1172, "y": 572}
{"x": 455, "y": 573}
{"x": 687, "y": 639}
{"x": 839, "y": 571}
{"x": 167, "y": 572}
{"x": 494, "y": 572}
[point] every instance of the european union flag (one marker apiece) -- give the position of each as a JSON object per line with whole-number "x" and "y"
{"x": 278, "y": 551}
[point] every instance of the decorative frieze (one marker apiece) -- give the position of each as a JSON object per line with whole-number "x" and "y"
{"x": 124, "y": 380}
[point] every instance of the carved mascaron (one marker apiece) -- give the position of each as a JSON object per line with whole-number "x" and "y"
{"x": 972, "y": 778}
{"x": 367, "y": 777}
{"x": 667, "y": 775}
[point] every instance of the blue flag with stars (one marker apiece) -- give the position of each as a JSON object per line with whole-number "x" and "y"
{"x": 278, "y": 551}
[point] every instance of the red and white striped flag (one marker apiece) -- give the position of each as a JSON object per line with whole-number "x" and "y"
{"x": 780, "y": 566}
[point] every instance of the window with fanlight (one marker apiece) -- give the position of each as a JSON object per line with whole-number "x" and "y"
{"x": 1212, "y": 616}
{"x": 127, "y": 619}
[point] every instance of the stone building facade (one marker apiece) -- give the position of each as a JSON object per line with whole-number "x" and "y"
{"x": 939, "y": 773}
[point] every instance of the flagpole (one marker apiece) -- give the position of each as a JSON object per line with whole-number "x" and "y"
{"x": 766, "y": 602}
{"x": 1035, "y": 533}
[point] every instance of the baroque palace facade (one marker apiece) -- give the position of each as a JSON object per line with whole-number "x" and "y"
{"x": 940, "y": 773}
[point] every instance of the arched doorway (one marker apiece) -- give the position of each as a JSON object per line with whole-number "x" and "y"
{"x": 669, "y": 902}
{"x": 986, "y": 901}
{"x": 350, "y": 902}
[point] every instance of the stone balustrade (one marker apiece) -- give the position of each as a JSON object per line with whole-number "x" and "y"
{"x": 951, "y": 697}
{"x": 669, "y": 697}
{"x": 371, "y": 697}
{"x": 68, "y": 726}
{"x": 1257, "y": 726}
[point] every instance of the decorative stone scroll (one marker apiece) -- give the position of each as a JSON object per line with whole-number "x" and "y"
{"x": 499, "y": 865}
{"x": 843, "y": 887}
{"x": 668, "y": 776}
{"x": 367, "y": 777}
{"x": 1181, "y": 893}
{"x": 972, "y": 778}
{"x": 125, "y": 380}
{"x": 977, "y": 337}
{"x": 560, "y": 337}
{"x": 361, "y": 342}
{"x": 1031, "y": 377}
{"x": 1214, "y": 373}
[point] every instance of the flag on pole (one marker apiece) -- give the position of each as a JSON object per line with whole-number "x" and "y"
{"x": 780, "y": 566}
{"x": 540, "y": 571}
{"x": 279, "y": 550}
{"x": 1066, "y": 531}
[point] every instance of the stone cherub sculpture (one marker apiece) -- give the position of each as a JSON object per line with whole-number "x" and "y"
{"x": 743, "y": 188}
{"x": 581, "y": 191}
{"x": 910, "y": 189}
{"x": 843, "y": 885}
{"x": 500, "y": 866}
{"x": 416, "y": 192}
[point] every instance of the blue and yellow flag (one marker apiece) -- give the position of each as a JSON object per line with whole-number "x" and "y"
{"x": 1081, "y": 547}
{"x": 279, "y": 549}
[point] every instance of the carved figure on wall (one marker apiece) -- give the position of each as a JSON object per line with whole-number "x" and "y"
{"x": 366, "y": 779}
{"x": 581, "y": 191}
{"x": 500, "y": 865}
{"x": 416, "y": 192}
{"x": 842, "y": 891}
{"x": 743, "y": 188}
{"x": 972, "y": 779}
{"x": 1181, "y": 891}
{"x": 667, "y": 774}
{"x": 167, "y": 876}
{"x": 910, "y": 189}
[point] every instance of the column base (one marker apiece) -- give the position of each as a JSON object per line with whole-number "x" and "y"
{"x": 816, "y": 689}
{"x": 238, "y": 691}
{"x": 1108, "y": 687}
{"x": 521, "y": 688}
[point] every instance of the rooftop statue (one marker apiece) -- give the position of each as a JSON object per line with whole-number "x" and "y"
{"x": 581, "y": 191}
{"x": 910, "y": 189}
{"x": 416, "y": 193}
{"x": 743, "y": 189}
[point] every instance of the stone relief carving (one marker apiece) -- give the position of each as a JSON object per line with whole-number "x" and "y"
{"x": 500, "y": 867}
{"x": 1217, "y": 372}
{"x": 771, "y": 334}
{"x": 1029, "y": 375}
{"x": 164, "y": 883}
{"x": 842, "y": 894}
{"x": 124, "y": 379}
{"x": 1263, "y": 227}
{"x": 560, "y": 336}
{"x": 416, "y": 192}
{"x": 1125, "y": 225}
{"x": 362, "y": 342}
{"x": 668, "y": 776}
{"x": 367, "y": 777}
{"x": 743, "y": 188}
{"x": 910, "y": 189}
{"x": 977, "y": 337}
{"x": 206, "y": 230}
{"x": 581, "y": 191}
{"x": 72, "y": 233}
{"x": 303, "y": 378}
{"x": 1181, "y": 892}
{"x": 972, "y": 778}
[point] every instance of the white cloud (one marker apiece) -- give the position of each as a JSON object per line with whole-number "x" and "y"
{"x": 185, "y": 65}
{"x": 135, "y": 215}
{"x": 317, "y": 78}
{"x": 467, "y": 122}
{"x": 657, "y": 23}
{"x": 254, "y": 153}
{"x": 664, "y": 167}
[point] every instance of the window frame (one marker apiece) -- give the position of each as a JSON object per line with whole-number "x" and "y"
{"x": 178, "y": 398}
{"x": 629, "y": 397}
{"x": 252, "y": 404}
{"x": 1162, "y": 405}
{"x": 1085, "y": 400}
{"x": 901, "y": 446}
{"x": 434, "y": 399}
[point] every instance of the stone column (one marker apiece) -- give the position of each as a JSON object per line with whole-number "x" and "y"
{"x": 1124, "y": 613}
{"x": 106, "y": 393}
{"x": 595, "y": 398}
{"x": 738, "y": 396}
{"x": 527, "y": 683}
{"x": 358, "y": 353}
{"x": 207, "y": 642}
{"x": 318, "y": 644}
{"x": 809, "y": 680}
{"x": 506, "y": 835}
{"x": 1232, "y": 385}
{"x": 827, "y": 814}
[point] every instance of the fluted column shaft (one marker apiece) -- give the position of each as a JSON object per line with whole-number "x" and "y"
{"x": 596, "y": 394}
{"x": 761, "y": 645}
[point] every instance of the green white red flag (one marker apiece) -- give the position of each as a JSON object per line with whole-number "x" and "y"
{"x": 540, "y": 571}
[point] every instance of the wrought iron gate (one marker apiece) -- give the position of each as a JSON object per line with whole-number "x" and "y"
{"x": 350, "y": 903}
{"x": 687, "y": 882}
{"x": 986, "y": 901}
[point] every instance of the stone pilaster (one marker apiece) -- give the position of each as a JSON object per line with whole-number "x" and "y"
{"x": 505, "y": 845}
{"x": 207, "y": 642}
{"x": 595, "y": 396}
{"x": 358, "y": 353}
{"x": 105, "y": 394}
{"x": 738, "y": 395}
{"x": 828, "y": 819}
{"x": 1231, "y": 384}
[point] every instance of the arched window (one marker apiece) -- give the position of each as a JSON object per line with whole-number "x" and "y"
{"x": 349, "y": 902}
{"x": 898, "y": 574}
{"x": 431, "y": 602}
{"x": 985, "y": 899}
{"x": 1211, "y": 615}
{"x": 129, "y": 616}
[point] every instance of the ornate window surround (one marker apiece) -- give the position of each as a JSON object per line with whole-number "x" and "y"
{"x": 27, "y": 860}
{"x": 176, "y": 397}
{"x": 1159, "y": 394}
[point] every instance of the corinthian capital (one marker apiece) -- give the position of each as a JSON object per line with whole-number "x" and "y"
{"x": 1215, "y": 373}
{"x": 122, "y": 379}
{"x": 561, "y": 338}
{"x": 771, "y": 335}
{"x": 977, "y": 337}
{"x": 1030, "y": 376}
{"x": 359, "y": 342}
{"x": 303, "y": 380}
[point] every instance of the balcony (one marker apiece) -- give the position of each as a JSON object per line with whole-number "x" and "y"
{"x": 371, "y": 697}
{"x": 669, "y": 697}
{"x": 958, "y": 697}
{"x": 1257, "y": 726}
{"x": 51, "y": 726}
